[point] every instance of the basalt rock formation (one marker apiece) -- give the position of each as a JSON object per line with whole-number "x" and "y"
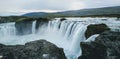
{"x": 40, "y": 49}
{"x": 24, "y": 26}
{"x": 96, "y": 29}
{"x": 105, "y": 46}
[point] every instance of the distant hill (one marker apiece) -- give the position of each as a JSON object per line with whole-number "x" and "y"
{"x": 36, "y": 14}
{"x": 93, "y": 12}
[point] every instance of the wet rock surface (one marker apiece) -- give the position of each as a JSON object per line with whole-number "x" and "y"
{"x": 24, "y": 26}
{"x": 40, "y": 49}
{"x": 41, "y": 22}
{"x": 106, "y": 46}
{"x": 95, "y": 29}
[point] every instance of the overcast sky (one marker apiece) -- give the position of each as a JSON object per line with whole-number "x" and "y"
{"x": 24, "y": 6}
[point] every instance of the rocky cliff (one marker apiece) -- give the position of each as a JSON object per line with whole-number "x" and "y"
{"x": 105, "y": 46}
{"x": 96, "y": 29}
{"x": 24, "y": 25}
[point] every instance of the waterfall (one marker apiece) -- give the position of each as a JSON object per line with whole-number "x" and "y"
{"x": 7, "y": 29}
{"x": 72, "y": 32}
{"x": 33, "y": 27}
{"x": 66, "y": 34}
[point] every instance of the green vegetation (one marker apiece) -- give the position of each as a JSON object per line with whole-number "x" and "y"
{"x": 6, "y": 19}
{"x": 25, "y": 19}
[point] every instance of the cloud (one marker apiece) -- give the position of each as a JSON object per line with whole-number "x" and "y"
{"x": 101, "y": 3}
{"x": 49, "y": 4}
{"x": 52, "y": 5}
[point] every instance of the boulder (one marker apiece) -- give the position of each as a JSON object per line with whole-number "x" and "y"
{"x": 105, "y": 46}
{"x": 111, "y": 40}
{"x": 93, "y": 50}
{"x": 40, "y": 49}
{"x": 95, "y": 29}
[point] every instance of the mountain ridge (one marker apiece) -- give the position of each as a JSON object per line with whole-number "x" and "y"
{"x": 105, "y": 11}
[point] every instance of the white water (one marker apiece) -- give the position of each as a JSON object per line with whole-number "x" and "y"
{"x": 66, "y": 34}
{"x": 33, "y": 27}
{"x": 7, "y": 29}
{"x": 92, "y": 38}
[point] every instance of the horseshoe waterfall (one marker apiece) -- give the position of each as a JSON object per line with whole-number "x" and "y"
{"x": 66, "y": 34}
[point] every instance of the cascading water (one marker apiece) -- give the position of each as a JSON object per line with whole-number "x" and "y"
{"x": 7, "y": 29}
{"x": 33, "y": 27}
{"x": 92, "y": 38}
{"x": 72, "y": 34}
{"x": 66, "y": 34}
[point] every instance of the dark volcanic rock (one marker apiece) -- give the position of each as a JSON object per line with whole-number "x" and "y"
{"x": 93, "y": 51}
{"x": 62, "y": 19}
{"x": 24, "y": 26}
{"x": 95, "y": 29}
{"x": 106, "y": 46}
{"x": 40, "y": 49}
{"x": 111, "y": 40}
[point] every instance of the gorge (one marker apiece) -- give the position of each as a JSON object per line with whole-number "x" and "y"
{"x": 66, "y": 34}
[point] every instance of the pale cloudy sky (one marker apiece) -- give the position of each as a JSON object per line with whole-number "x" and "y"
{"x": 24, "y": 6}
